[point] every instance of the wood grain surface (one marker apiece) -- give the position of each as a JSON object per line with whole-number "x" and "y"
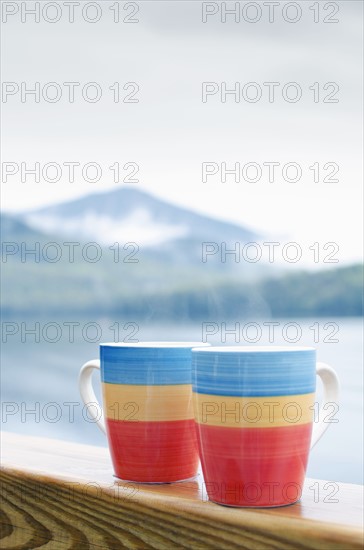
{"x": 60, "y": 495}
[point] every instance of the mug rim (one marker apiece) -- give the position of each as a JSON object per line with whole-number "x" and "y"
{"x": 155, "y": 345}
{"x": 253, "y": 349}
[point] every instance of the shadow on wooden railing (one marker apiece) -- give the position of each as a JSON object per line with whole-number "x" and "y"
{"x": 58, "y": 495}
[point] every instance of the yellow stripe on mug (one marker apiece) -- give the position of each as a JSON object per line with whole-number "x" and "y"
{"x": 141, "y": 403}
{"x": 253, "y": 412}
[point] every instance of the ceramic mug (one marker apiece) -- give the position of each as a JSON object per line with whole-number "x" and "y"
{"x": 254, "y": 409}
{"x": 147, "y": 409}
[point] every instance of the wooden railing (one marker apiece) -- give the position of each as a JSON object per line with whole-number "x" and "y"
{"x": 59, "y": 495}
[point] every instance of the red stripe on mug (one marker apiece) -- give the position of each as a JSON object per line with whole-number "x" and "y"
{"x": 254, "y": 467}
{"x": 153, "y": 451}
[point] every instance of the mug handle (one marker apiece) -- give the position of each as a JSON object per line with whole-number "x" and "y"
{"x": 331, "y": 395}
{"x": 88, "y": 394}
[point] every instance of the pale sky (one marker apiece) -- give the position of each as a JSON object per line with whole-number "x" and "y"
{"x": 170, "y": 132}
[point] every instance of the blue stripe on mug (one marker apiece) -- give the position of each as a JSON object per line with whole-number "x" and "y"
{"x": 276, "y": 371}
{"x": 157, "y": 363}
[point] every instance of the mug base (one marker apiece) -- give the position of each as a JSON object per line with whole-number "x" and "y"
{"x": 193, "y": 478}
{"x": 251, "y": 506}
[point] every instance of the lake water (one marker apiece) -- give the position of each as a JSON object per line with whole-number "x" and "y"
{"x": 40, "y": 394}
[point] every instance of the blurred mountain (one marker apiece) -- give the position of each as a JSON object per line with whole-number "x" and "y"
{"x": 43, "y": 273}
{"x": 14, "y": 230}
{"x": 161, "y": 275}
{"x": 128, "y": 214}
{"x": 162, "y": 231}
